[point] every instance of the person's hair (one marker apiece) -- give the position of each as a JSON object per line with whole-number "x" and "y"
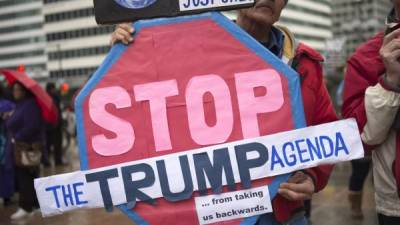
{"x": 392, "y": 22}
{"x": 28, "y": 93}
{"x": 50, "y": 86}
{"x": 2, "y": 92}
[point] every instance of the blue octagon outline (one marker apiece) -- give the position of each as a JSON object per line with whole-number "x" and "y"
{"x": 235, "y": 31}
{"x": 135, "y": 4}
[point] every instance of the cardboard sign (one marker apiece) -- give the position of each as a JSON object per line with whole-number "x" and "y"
{"x": 185, "y": 83}
{"x": 190, "y": 87}
{"x": 116, "y": 11}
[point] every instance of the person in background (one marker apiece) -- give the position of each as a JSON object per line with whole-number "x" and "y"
{"x": 26, "y": 127}
{"x": 70, "y": 124}
{"x": 359, "y": 172}
{"x": 54, "y": 132}
{"x": 259, "y": 22}
{"x": 7, "y": 165}
{"x": 372, "y": 96}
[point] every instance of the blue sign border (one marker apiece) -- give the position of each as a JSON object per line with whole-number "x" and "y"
{"x": 235, "y": 31}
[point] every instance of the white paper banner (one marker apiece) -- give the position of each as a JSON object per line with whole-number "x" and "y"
{"x": 233, "y": 205}
{"x": 188, "y": 5}
{"x": 209, "y": 167}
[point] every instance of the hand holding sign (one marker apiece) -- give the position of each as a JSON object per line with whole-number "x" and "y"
{"x": 123, "y": 33}
{"x": 299, "y": 187}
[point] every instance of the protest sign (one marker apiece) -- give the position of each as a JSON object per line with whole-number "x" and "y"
{"x": 116, "y": 11}
{"x": 189, "y": 117}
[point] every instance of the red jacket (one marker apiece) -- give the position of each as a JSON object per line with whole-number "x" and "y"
{"x": 359, "y": 77}
{"x": 365, "y": 69}
{"x": 318, "y": 109}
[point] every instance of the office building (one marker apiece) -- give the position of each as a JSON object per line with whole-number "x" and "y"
{"x": 22, "y": 38}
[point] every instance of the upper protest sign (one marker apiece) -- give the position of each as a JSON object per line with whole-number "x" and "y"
{"x": 116, "y": 11}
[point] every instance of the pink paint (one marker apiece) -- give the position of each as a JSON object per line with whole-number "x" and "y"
{"x": 125, "y": 135}
{"x": 249, "y": 105}
{"x": 201, "y": 133}
{"x": 156, "y": 93}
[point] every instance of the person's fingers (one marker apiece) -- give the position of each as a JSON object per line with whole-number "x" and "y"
{"x": 394, "y": 56}
{"x": 126, "y": 27}
{"x": 113, "y": 39}
{"x": 123, "y": 33}
{"x": 292, "y": 195}
{"x": 298, "y": 177}
{"x": 388, "y": 38}
{"x": 386, "y": 52}
{"x": 304, "y": 187}
{"x": 126, "y": 35}
{"x": 117, "y": 37}
{"x": 391, "y": 46}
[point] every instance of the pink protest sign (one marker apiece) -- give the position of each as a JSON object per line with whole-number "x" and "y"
{"x": 184, "y": 83}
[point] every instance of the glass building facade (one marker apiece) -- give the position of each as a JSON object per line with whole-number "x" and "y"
{"x": 61, "y": 37}
{"x": 22, "y": 37}
{"x": 76, "y": 45}
{"x": 358, "y": 20}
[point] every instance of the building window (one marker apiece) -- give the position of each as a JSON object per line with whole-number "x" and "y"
{"x": 87, "y": 32}
{"x": 15, "y": 2}
{"x": 76, "y": 53}
{"x": 19, "y": 28}
{"x": 30, "y": 40}
{"x": 53, "y": 1}
{"x": 73, "y": 72}
{"x": 20, "y": 14}
{"x": 21, "y": 55}
{"x": 56, "y": 17}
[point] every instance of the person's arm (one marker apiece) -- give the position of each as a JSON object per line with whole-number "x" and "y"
{"x": 122, "y": 33}
{"x": 32, "y": 122}
{"x": 381, "y": 107}
{"x": 355, "y": 85}
{"x": 382, "y": 101}
{"x": 375, "y": 105}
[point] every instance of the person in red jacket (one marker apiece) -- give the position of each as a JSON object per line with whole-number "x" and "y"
{"x": 259, "y": 22}
{"x": 372, "y": 96}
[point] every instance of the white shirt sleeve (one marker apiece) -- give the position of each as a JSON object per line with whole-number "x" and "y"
{"x": 381, "y": 107}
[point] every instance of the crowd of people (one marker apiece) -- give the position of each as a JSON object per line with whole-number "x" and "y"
{"x": 22, "y": 127}
{"x": 371, "y": 95}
